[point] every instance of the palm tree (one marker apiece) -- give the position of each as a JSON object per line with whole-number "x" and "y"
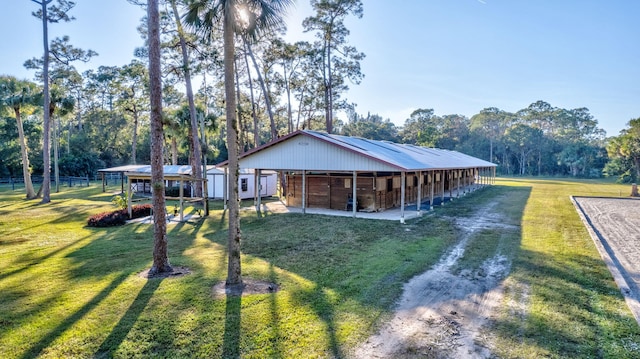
{"x": 254, "y": 15}
{"x": 17, "y": 95}
{"x": 160, "y": 250}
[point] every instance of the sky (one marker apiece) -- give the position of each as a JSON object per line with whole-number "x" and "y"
{"x": 453, "y": 56}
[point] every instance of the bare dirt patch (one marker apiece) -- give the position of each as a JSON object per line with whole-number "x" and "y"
{"x": 249, "y": 286}
{"x": 614, "y": 226}
{"x": 442, "y": 313}
{"x": 177, "y": 271}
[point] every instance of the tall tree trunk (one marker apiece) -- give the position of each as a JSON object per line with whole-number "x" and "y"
{"x": 160, "y": 246}
{"x": 267, "y": 101}
{"x": 490, "y": 149}
{"x": 256, "y": 128}
{"x": 326, "y": 78}
{"x": 329, "y": 91}
{"x": 46, "y": 126}
{"x": 174, "y": 151}
{"x": 134, "y": 140}
{"x": 288, "y": 89}
{"x": 300, "y": 110}
{"x": 234, "y": 271}
{"x": 197, "y": 153}
{"x": 24, "y": 152}
{"x": 242, "y": 133}
{"x": 56, "y": 144}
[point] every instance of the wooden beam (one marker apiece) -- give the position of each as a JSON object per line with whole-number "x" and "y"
{"x": 403, "y": 180}
{"x": 259, "y": 187}
{"x": 433, "y": 184}
{"x": 354, "y": 194}
{"x": 181, "y": 200}
{"x": 304, "y": 191}
{"x": 442, "y": 188}
{"x": 419, "y": 204}
{"x": 129, "y": 195}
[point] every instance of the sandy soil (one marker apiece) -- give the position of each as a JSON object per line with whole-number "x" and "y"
{"x": 442, "y": 314}
{"x": 614, "y": 225}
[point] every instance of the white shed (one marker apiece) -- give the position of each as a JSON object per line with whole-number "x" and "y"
{"x": 246, "y": 183}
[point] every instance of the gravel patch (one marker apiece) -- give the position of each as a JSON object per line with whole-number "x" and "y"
{"x": 614, "y": 226}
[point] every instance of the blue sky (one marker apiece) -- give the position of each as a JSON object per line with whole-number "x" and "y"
{"x": 455, "y": 56}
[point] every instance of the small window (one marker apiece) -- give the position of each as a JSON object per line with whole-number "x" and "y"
{"x": 244, "y": 184}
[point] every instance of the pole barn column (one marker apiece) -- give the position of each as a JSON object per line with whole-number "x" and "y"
{"x": 354, "y": 206}
{"x": 403, "y": 180}
{"x": 256, "y": 182}
{"x": 129, "y": 195}
{"x": 419, "y": 204}
{"x": 304, "y": 191}
{"x": 432, "y": 177}
{"x": 181, "y": 199}
{"x": 442, "y": 174}
{"x": 259, "y": 188}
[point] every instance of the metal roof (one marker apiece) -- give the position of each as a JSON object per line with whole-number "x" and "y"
{"x": 143, "y": 171}
{"x": 405, "y": 156}
{"x": 388, "y": 155}
{"x": 126, "y": 168}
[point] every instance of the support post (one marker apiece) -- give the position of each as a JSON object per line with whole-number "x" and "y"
{"x": 442, "y": 174}
{"x": 403, "y": 179}
{"x": 256, "y": 193}
{"x": 181, "y": 200}
{"x": 433, "y": 184}
{"x": 259, "y": 188}
{"x": 129, "y": 196}
{"x": 419, "y": 204}
{"x": 354, "y": 194}
{"x": 304, "y": 191}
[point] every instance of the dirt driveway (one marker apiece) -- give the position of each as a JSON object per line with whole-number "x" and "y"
{"x": 442, "y": 312}
{"x": 614, "y": 226}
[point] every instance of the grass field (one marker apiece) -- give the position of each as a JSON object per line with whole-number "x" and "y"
{"x": 67, "y": 290}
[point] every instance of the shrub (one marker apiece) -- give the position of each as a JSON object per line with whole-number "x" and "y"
{"x": 119, "y": 217}
{"x": 121, "y": 201}
{"x": 141, "y": 210}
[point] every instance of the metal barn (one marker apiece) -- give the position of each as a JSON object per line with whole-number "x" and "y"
{"x": 329, "y": 171}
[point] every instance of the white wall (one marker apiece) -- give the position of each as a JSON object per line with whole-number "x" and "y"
{"x": 268, "y": 185}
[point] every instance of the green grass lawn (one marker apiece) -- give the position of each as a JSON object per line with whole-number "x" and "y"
{"x": 67, "y": 290}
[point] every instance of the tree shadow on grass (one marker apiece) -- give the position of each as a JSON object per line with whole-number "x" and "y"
{"x": 231, "y": 338}
{"x": 38, "y": 347}
{"x": 588, "y": 284}
{"x": 320, "y": 303}
{"x": 128, "y": 320}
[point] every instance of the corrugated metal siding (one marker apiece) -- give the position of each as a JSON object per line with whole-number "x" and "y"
{"x": 309, "y": 153}
{"x": 317, "y": 151}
